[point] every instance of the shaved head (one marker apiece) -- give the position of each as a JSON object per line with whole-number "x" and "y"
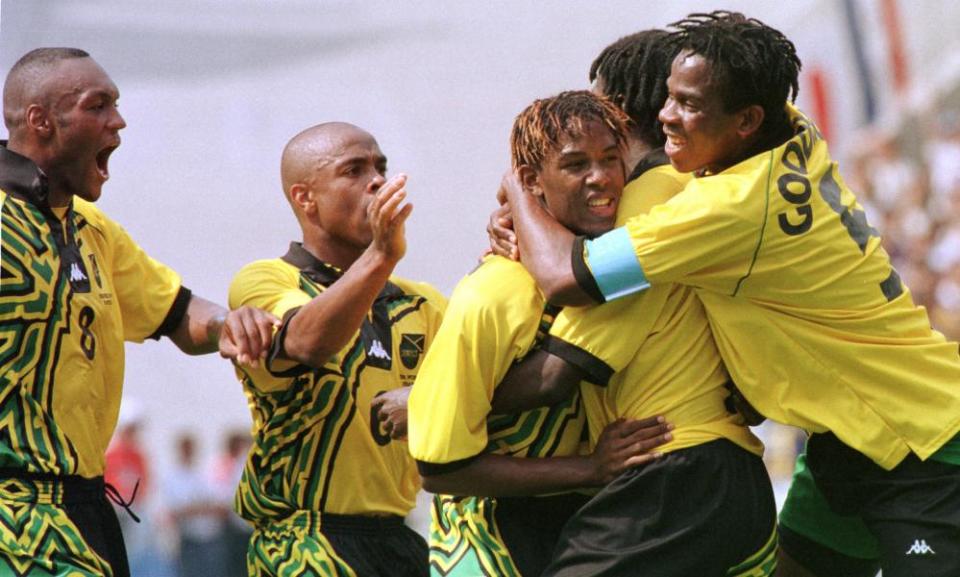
{"x": 314, "y": 148}
{"x": 330, "y": 174}
{"x": 60, "y": 108}
{"x": 29, "y": 82}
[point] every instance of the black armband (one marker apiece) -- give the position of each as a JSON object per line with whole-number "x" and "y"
{"x": 429, "y": 469}
{"x": 175, "y": 315}
{"x": 582, "y": 273}
{"x": 277, "y": 351}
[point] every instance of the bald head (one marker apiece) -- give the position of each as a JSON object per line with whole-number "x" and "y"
{"x": 314, "y": 148}
{"x": 30, "y": 81}
{"x": 330, "y": 174}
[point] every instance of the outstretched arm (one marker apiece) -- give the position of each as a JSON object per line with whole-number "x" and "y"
{"x": 243, "y": 334}
{"x": 326, "y": 324}
{"x": 622, "y": 444}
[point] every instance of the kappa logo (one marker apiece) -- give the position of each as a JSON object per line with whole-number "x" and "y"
{"x": 377, "y": 350}
{"x": 920, "y": 547}
{"x": 411, "y": 347}
{"x": 76, "y": 273}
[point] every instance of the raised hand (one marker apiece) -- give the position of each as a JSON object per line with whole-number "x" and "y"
{"x": 387, "y": 213}
{"x": 503, "y": 241}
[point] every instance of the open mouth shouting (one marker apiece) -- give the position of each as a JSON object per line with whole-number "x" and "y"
{"x": 103, "y": 159}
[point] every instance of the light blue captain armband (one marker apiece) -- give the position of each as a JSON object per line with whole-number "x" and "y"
{"x": 614, "y": 265}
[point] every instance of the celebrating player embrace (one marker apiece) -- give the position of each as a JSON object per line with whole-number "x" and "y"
{"x": 676, "y": 257}
{"x": 812, "y": 322}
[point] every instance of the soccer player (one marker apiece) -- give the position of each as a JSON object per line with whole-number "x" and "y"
{"x": 325, "y": 486}
{"x": 814, "y": 325}
{"x": 633, "y": 72}
{"x": 74, "y": 287}
{"x": 568, "y": 148}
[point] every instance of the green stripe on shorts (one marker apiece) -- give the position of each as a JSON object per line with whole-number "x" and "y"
{"x": 807, "y": 513}
{"x": 949, "y": 452}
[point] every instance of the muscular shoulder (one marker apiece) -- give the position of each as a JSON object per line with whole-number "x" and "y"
{"x": 667, "y": 179}
{"x": 268, "y": 267}
{"x": 113, "y": 236}
{"x": 499, "y": 285}
{"x": 260, "y": 278}
{"x": 734, "y": 196}
{"x": 654, "y": 186}
{"x": 740, "y": 184}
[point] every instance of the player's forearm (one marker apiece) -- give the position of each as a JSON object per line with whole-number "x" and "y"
{"x": 322, "y": 327}
{"x": 504, "y": 476}
{"x": 199, "y": 330}
{"x": 545, "y": 248}
{"x": 539, "y": 380}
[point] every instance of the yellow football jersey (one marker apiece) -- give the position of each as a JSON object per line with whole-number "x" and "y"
{"x": 495, "y": 316}
{"x": 318, "y": 446}
{"x": 493, "y": 319}
{"x": 656, "y": 345}
{"x": 813, "y": 323}
{"x": 65, "y": 319}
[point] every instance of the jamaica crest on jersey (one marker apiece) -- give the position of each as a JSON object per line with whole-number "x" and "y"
{"x": 378, "y": 344}
{"x": 378, "y": 338}
{"x": 411, "y": 349}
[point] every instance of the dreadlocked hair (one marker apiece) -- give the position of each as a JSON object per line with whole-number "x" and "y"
{"x": 538, "y": 129}
{"x": 752, "y": 62}
{"x": 633, "y": 73}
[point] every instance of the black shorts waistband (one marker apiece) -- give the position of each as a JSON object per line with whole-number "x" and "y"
{"x": 360, "y": 524}
{"x": 541, "y": 507}
{"x": 46, "y": 488}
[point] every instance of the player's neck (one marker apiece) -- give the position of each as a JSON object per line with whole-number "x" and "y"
{"x": 331, "y": 252}
{"x": 57, "y": 194}
{"x": 636, "y": 150}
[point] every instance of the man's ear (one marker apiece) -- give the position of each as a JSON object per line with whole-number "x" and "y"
{"x": 302, "y": 197}
{"x": 751, "y": 118}
{"x": 530, "y": 180}
{"x": 38, "y": 120}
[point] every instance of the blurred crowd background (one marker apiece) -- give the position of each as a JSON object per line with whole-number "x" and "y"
{"x": 181, "y": 521}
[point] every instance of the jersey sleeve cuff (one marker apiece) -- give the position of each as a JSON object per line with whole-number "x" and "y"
{"x": 430, "y": 469}
{"x": 277, "y": 353}
{"x": 613, "y": 265}
{"x": 582, "y": 273}
{"x": 596, "y": 371}
{"x": 175, "y": 315}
